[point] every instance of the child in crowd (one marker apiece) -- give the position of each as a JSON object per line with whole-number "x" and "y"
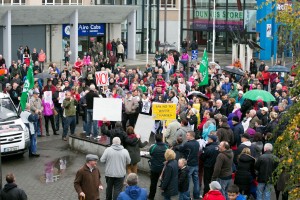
{"x": 183, "y": 180}
{"x": 234, "y": 194}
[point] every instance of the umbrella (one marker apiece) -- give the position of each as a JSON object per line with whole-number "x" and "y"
{"x": 43, "y": 76}
{"x": 279, "y": 68}
{"x": 233, "y": 70}
{"x": 197, "y": 94}
{"x": 166, "y": 45}
{"x": 259, "y": 94}
{"x": 215, "y": 64}
{"x": 174, "y": 50}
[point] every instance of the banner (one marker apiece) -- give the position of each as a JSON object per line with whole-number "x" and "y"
{"x": 62, "y": 96}
{"x": 107, "y": 109}
{"x": 194, "y": 54}
{"x": 101, "y": 78}
{"x": 163, "y": 111}
{"x": 144, "y": 126}
{"x": 203, "y": 69}
{"x": 28, "y": 85}
{"x": 48, "y": 96}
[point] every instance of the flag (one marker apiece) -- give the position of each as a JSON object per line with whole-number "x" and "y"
{"x": 203, "y": 69}
{"x": 28, "y": 85}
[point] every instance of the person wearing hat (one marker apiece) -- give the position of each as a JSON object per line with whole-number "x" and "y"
{"x": 37, "y": 108}
{"x": 263, "y": 115}
{"x": 246, "y": 143}
{"x": 209, "y": 156}
{"x": 240, "y": 99}
{"x": 87, "y": 182}
{"x": 214, "y": 192}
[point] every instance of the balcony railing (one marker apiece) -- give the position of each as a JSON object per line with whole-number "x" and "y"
{"x": 12, "y": 2}
{"x": 62, "y": 2}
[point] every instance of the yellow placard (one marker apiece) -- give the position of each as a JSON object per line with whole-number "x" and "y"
{"x": 163, "y": 111}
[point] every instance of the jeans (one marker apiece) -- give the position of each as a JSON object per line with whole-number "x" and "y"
{"x": 193, "y": 174}
{"x": 37, "y": 127}
{"x": 224, "y": 185}
{"x": 154, "y": 176}
{"x": 114, "y": 187}
{"x": 69, "y": 121}
{"x": 184, "y": 195}
{"x": 169, "y": 198}
{"x": 32, "y": 147}
{"x": 264, "y": 191}
{"x": 90, "y": 121}
{"x": 60, "y": 112}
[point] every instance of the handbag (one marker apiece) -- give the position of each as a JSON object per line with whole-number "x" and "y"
{"x": 55, "y": 112}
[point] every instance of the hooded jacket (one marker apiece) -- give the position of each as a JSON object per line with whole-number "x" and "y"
{"x": 223, "y": 165}
{"x": 224, "y": 133}
{"x": 133, "y": 192}
{"x": 115, "y": 158}
{"x": 209, "y": 126}
{"x": 233, "y": 93}
{"x": 12, "y": 192}
{"x": 245, "y": 171}
{"x": 214, "y": 195}
{"x": 209, "y": 154}
{"x": 265, "y": 165}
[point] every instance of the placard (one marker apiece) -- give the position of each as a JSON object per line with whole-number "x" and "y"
{"x": 101, "y": 78}
{"x": 163, "y": 111}
{"x": 48, "y": 96}
{"x": 144, "y": 126}
{"x": 62, "y": 97}
{"x": 107, "y": 109}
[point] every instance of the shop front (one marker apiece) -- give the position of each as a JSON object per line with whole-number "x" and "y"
{"x": 90, "y": 36}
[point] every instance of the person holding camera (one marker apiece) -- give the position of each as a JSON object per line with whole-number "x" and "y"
{"x": 69, "y": 104}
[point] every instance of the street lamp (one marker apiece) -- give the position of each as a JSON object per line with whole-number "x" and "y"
{"x": 214, "y": 32}
{"x": 147, "y": 39}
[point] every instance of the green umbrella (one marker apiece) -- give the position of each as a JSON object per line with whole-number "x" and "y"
{"x": 254, "y": 95}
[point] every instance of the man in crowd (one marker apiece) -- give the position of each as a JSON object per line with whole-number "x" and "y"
{"x": 11, "y": 190}
{"x": 69, "y": 105}
{"x": 90, "y": 96}
{"x": 133, "y": 191}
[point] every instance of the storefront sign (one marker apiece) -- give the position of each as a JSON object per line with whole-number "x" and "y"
{"x": 220, "y": 14}
{"x": 85, "y": 30}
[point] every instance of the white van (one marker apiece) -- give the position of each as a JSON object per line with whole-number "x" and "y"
{"x": 14, "y": 135}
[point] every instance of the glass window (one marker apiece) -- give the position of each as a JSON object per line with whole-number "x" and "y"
{"x": 170, "y": 3}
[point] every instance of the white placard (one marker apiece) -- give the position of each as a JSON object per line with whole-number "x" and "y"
{"x": 144, "y": 126}
{"x": 62, "y": 97}
{"x": 107, "y": 109}
{"x": 48, "y": 96}
{"x": 101, "y": 78}
{"x": 269, "y": 30}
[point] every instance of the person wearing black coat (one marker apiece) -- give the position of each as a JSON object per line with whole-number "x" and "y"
{"x": 156, "y": 163}
{"x": 238, "y": 130}
{"x": 169, "y": 181}
{"x": 209, "y": 156}
{"x": 183, "y": 180}
{"x": 11, "y": 190}
{"x": 245, "y": 138}
{"x": 245, "y": 171}
{"x": 253, "y": 67}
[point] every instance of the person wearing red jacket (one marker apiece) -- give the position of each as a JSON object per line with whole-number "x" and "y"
{"x": 122, "y": 81}
{"x": 214, "y": 192}
{"x": 266, "y": 78}
{"x": 78, "y": 65}
{"x": 108, "y": 47}
{"x": 49, "y": 87}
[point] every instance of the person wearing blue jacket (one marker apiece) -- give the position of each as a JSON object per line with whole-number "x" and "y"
{"x": 133, "y": 191}
{"x": 234, "y": 194}
{"x": 226, "y": 87}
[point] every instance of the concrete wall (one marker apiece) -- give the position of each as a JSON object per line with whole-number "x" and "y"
{"x": 172, "y": 32}
{"x": 115, "y": 31}
{"x": 56, "y": 44}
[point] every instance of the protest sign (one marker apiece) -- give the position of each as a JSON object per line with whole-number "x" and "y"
{"x": 101, "y": 78}
{"x": 163, "y": 111}
{"x": 48, "y": 96}
{"x": 144, "y": 126}
{"x": 107, "y": 109}
{"x": 62, "y": 96}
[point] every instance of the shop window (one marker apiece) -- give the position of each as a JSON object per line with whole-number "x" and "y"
{"x": 12, "y": 2}
{"x": 62, "y": 2}
{"x": 170, "y": 3}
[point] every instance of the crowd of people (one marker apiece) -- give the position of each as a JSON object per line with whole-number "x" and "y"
{"x": 219, "y": 137}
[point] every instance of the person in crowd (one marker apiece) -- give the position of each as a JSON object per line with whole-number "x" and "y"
{"x": 58, "y": 107}
{"x": 214, "y": 192}
{"x": 234, "y": 194}
{"x": 245, "y": 172}
{"x": 134, "y": 151}
{"x": 183, "y": 180}
{"x": 209, "y": 156}
{"x": 170, "y": 133}
{"x": 69, "y": 105}
{"x": 37, "y": 108}
{"x": 169, "y": 176}
{"x": 224, "y": 132}
{"x": 120, "y": 52}
{"x": 131, "y": 105}
{"x": 116, "y": 158}
{"x": 11, "y": 190}
{"x": 132, "y": 191}
{"x": 156, "y": 162}
{"x": 223, "y": 167}
{"x": 42, "y": 59}
{"x": 48, "y": 113}
{"x": 246, "y": 143}
{"x": 87, "y": 182}
{"x": 89, "y": 110}
{"x": 265, "y": 166}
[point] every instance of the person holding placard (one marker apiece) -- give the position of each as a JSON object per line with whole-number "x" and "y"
{"x": 89, "y": 110}
{"x": 69, "y": 105}
{"x": 131, "y": 104}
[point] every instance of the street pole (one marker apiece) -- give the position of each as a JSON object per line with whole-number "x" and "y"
{"x": 0, "y": 168}
{"x": 214, "y": 32}
{"x": 179, "y": 18}
{"x": 147, "y": 44}
{"x": 165, "y": 32}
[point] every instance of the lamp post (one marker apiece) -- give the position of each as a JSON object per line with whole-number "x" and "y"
{"x": 214, "y": 32}
{"x": 147, "y": 39}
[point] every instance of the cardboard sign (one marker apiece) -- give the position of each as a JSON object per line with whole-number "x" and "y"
{"x": 163, "y": 111}
{"x": 144, "y": 126}
{"x": 62, "y": 96}
{"x": 107, "y": 109}
{"x": 48, "y": 96}
{"x": 101, "y": 78}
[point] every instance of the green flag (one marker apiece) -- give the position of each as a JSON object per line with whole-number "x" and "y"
{"x": 28, "y": 84}
{"x": 203, "y": 69}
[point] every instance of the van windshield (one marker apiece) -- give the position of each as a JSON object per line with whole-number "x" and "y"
{"x": 7, "y": 110}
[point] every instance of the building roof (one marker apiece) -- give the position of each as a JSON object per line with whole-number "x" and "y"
{"x": 37, "y": 15}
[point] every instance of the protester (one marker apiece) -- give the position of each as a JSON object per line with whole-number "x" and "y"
{"x": 214, "y": 192}
{"x": 133, "y": 191}
{"x": 183, "y": 180}
{"x": 88, "y": 179}
{"x": 116, "y": 158}
{"x": 11, "y": 190}
{"x": 69, "y": 105}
